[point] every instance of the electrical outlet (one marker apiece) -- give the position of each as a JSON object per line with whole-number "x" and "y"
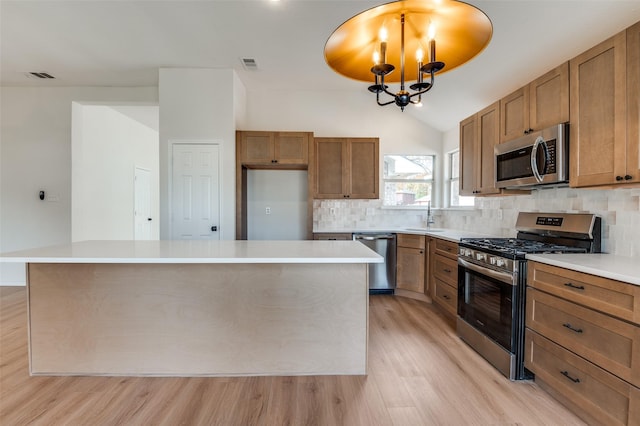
{"x": 267, "y": 210}
{"x": 332, "y": 211}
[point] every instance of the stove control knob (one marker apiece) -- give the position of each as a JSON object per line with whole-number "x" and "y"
{"x": 481, "y": 256}
{"x": 492, "y": 260}
{"x": 467, "y": 252}
{"x": 500, "y": 263}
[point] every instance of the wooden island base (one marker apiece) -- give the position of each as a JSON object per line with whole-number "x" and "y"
{"x": 197, "y": 319}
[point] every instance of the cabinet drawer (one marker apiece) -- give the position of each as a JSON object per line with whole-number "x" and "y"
{"x": 609, "y": 296}
{"x": 411, "y": 241}
{"x": 592, "y": 393}
{"x": 445, "y": 296}
{"x": 608, "y": 342}
{"x": 446, "y": 248}
{"x": 446, "y": 269}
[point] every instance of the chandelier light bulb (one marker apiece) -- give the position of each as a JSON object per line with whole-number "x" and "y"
{"x": 431, "y": 33}
{"x": 383, "y": 35}
{"x": 419, "y": 55}
{"x": 376, "y": 57}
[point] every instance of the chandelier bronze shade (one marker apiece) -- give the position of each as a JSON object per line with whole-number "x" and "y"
{"x": 407, "y": 41}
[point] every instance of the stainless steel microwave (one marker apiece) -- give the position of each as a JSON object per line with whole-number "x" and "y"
{"x": 536, "y": 159}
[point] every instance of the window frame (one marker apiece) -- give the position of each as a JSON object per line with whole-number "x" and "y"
{"x": 432, "y": 182}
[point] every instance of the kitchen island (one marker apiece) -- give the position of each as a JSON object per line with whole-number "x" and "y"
{"x": 197, "y": 308}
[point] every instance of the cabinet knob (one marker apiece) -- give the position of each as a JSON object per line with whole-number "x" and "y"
{"x": 628, "y": 177}
{"x": 618, "y": 178}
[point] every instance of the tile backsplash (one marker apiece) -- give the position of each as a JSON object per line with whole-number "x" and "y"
{"x": 618, "y": 208}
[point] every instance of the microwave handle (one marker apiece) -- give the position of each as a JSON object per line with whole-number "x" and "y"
{"x": 534, "y": 162}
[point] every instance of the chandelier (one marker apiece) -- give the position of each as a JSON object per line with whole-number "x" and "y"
{"x": 371, "y": 45}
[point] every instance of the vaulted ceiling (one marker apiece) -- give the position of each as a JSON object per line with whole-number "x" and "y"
{"x": 123, "y": 43}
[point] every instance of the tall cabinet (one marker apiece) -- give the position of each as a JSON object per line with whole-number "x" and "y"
{"x": 478, "y": 137}
{"x": 598, "y": 115}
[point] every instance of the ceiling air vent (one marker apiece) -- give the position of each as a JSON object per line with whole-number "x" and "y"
{"x": 39, "y": 75}
{"x": 249, "y": 64}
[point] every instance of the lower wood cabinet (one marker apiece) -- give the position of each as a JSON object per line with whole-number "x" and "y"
{"x": 582, "y": 341}
{"x": 411, "y": 255}
{"x": 444, "y": 274}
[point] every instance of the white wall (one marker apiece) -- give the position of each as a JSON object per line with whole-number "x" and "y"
{"x": 106, "y": 148}
{"x": 199, "y": 105}
{"x": 284, "y": 192}
{"x": 35, "y": 154}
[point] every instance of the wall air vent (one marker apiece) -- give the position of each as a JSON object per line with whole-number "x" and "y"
{"x": 43, "y": 75}
{"x": 249, "y": 64}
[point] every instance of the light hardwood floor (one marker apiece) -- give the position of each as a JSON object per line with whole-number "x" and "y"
{"x": 420, "y": 373}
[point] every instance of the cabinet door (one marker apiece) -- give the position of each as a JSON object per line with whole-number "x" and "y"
{"x": 549, "y": 98}
{"x": 363, "y": 168}
{"x": 410, "y": 269}
{"x": 330, "y": 168}
{"x": 291, "y": 148}
{"x": 257, "y": 147}
{"x": 633, "y": 104}
{"x": 468, "y": 137}
{"x": 488, "y": 122}
{"x": 514, "y": 114}
{"x": 598, "y": 114}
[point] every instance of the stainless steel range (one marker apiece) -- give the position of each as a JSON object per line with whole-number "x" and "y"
{"x": 492, "y": 277}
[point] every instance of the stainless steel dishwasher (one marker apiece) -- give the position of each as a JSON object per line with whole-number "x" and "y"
{"x": 382, "y": 276}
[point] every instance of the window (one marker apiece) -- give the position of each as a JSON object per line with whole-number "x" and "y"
{"x": 408, "y": 180}
{"x": 455, "y": 199}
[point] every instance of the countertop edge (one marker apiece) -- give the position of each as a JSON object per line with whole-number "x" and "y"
{"x": 619, "y": 268}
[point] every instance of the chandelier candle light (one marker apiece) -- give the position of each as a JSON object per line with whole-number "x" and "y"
{"x": 462, "y": 30}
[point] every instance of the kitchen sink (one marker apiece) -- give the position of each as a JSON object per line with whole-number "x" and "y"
{"x": 424, "y": 229}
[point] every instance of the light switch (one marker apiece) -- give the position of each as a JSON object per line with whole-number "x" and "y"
{"x": 267, "y": 210}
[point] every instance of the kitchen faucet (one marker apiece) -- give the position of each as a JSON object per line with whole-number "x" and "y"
{"x": 430, "y": 220}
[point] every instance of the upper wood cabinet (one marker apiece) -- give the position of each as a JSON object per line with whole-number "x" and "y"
{"x": 346, "y": 168}
{"x": 633, "y": 104}
{"x": 598, "y": 147}
{"x": 478, "y": 137}
{"x": 274, "y": 148}
{"x": 542, "y": 103}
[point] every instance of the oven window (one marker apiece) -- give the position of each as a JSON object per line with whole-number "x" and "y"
{"x": 487, "y": 305}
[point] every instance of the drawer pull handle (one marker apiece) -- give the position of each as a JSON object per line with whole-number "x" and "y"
{"x": 446, "y": 296}
{"x": 448, "y": 271}
{"x": 566, "y": 374}
{"x": 577, "y": 330}
{"x": 572, "y": 285}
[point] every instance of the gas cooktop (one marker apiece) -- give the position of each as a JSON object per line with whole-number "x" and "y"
{"x": 515, "y": 246}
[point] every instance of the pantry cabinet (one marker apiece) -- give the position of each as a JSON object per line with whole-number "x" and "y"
{"x": 274, "y": 148}
{"x": 478, "y": 137}
{"x": 598, "y": 148}
{"x": 582, "y": 341}
{"x": 346, "y": 168}
{"x": 540, "y": 104}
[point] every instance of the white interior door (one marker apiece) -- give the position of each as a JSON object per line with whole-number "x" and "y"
{"x": 142, "y": 204}
{"x": 195, "y": 194}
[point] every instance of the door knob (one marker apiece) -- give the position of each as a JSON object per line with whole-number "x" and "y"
{"x": 149, "y": 219}
{"x": 214, "y": 229}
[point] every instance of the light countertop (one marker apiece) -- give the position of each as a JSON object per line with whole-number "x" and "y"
{"x": 453, "y": 235}
{"x": 198, "y": 251}
{"x": 625, "y": 269}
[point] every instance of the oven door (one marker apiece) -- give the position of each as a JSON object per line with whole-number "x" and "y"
{"x": 486, "y": 302}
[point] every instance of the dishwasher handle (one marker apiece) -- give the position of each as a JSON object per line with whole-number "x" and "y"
{"x": 367, "y": 237}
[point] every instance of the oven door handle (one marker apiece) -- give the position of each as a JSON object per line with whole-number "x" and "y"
{"x": 534, "y": 158}
{"x": 500, "y": 276}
